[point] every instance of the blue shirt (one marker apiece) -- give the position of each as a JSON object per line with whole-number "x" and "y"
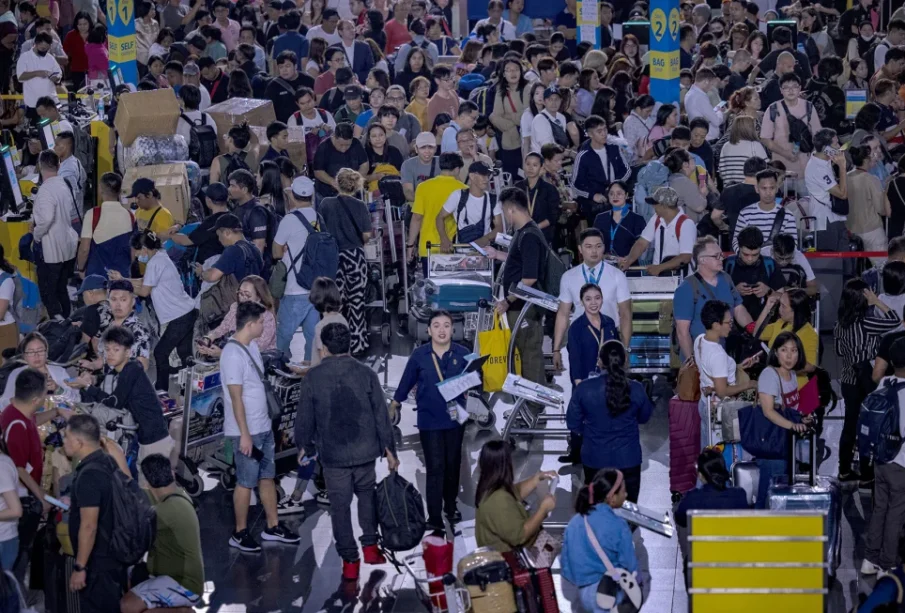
{"x": 291, "y": 41}
{"x": 272, "y": 154}
{"x": 618, "y": 239}
{"x": 567, "y": 19}
{"x": 241, "y": 260}
{"x": 609, "y": 442}
{"x": 687, "y": 306}
{"x": 708, "y": 497}
{"x": 580, "y": 563}
{"x": 364, "y": 118}
{"x": 421, "y": 370}
{"x": 584, "y": 345}
{"x": 448, "y": 143}
{"x": 522, "y": 26}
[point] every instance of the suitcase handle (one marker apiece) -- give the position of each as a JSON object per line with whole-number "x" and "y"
{"x": 809, "y": 435}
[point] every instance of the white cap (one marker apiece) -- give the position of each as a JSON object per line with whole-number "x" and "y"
{"x": 302, "y": 187}
{"x": 425, "y": 139}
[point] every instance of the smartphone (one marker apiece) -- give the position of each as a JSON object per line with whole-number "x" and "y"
{"x": 829, "y": 151}
{"x": 702, "y": 180}
{"x": 256, "y": 454}
{"x": 57, "y": 503}
{"x": 723, "y": 104}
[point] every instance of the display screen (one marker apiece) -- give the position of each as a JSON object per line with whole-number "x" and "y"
{"x": 11, "y": 176}
{"x": 116, "y": 76}
{"x": 47, "y": 135}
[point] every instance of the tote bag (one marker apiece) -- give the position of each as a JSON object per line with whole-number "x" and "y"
{"x": 495, "y": 343}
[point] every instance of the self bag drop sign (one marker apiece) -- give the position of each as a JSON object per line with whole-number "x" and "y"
{"x": 665, "y": 61}
{"x": 121, "y": 38}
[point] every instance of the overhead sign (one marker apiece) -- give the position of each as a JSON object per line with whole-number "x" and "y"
{"x": 665, "y": 61}
{"x": 121, "y": 38}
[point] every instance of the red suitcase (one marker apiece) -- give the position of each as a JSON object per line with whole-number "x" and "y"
{"x": 534, "y": 588}
{"x": 684, "y": 445}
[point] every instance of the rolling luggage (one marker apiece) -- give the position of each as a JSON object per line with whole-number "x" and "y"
{"x": 746, "y": 475}
{"x": 487, "y": 576}
{"x": 535, "y": 591}
{"x": 684, "y": 445}
{"x": 795, "y": 492}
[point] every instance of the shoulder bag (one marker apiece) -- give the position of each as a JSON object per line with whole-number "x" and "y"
{"x": 274, "y": 406}
{"x": 761, "y": 437}
{"x": 615, "y": 580}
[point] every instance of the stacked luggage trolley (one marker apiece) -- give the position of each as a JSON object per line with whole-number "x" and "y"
{"x": 652, "y": 323}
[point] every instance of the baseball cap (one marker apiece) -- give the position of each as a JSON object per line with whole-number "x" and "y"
{"x": 551, "y": 91}
{"x": 303, "y": 187}
{"x": 666, "y": 196}
{"x": 92, "y": 282}
{"x": 123, "y": 285}
{"x": 228, "y": 222}
{"x": 425, "y": 139}
{"x": 217, "y": 192}
{"x": 142, "y": 186}
{"x": 191, "y": 69}
{"x": 352, "y": 92}
{"x": 479, "y": 168}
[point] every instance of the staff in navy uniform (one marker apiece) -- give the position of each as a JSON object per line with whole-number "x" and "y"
{"x": 440, "y": 432}
{"x": 588, "y": 333}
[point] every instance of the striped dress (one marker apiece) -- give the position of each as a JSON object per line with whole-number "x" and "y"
{"x": 733, "y": 158}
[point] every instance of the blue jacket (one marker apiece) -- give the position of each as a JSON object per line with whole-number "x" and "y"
{"x": 584, "y": 346}
{"x": 609, "y": 442}
{"x": 420, "y": 370}
{"x": 363, "y": 60}
{"x": 589, "y": 177}
{"x": 581, "y": 565}
{"x": 620, "y": 240}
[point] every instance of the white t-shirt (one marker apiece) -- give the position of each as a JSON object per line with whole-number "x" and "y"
{"x": 183, "y": 127}
{"x": 900, "y": 457}
{"x": 7, "y": 291}
{"x": 819, "y": 179}
{"x": 167, "y": 293}
{"x": 33, "y": 89}
{"x": 675, "y": 241}
{"x": 797, "y": 258}
{"x": 612, "y": 282}
{"x": 292, "y": 234}
{"x": 542, "y": 131}
{"x": 237, "y": 369}
{"x": 527, "y": 121}
{"x": 9, "y": 482}
{"x": 713, "y": 362}
{"x": 320, "y": 118}
{"x": 473, "y": 209}
{"x": 318, "y": 32}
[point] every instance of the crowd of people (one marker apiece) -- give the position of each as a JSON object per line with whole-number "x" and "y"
{"x": 517, "y": 128}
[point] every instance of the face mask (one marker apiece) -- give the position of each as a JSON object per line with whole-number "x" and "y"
{"x": 867, "y": 38}
{"x": 143, "y": 259}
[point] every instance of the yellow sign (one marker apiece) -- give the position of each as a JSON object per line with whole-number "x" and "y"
{"x": 674, "y": 23}
{"x": 664, "y": 64}
{"x": 111, "y": 14}
{"x": 126, "y": 8}
{"x": 121, "y": 48}
{"x": 658, "y": 25}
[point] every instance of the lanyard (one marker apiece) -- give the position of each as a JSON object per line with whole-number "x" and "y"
{"x": 598, "y": 338}
{"x": 437, "y": 366}
{"x": 614, "y": 226}
{"x": 589, "y": 276}
{"x": 533, "y": 199}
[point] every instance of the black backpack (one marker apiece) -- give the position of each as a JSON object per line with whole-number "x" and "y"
{"x": 62, "y": 337}
{"x": 134, "y": 519}
{"x": 203, "y": 145}
{"x": 234, "y": 161}
{"x": 799, "y": 131}
{"x": 552, "y": 268}
{"x": 400, "y": 513}
{"x": 869, "y": 57}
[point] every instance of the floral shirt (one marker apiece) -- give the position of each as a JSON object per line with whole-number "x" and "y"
{"x": 142, "y": 346}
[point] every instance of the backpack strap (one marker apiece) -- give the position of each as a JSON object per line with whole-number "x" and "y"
{"x": 95, "y": 219}
{"x": 777, "y": 223}
{"x": 153, "y": 217}
{"x": 463, "y": 202}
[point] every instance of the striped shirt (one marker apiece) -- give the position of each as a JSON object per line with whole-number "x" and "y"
{"x": 733, "y": 158}
{"x": 860, "y": 341}
{"x": 753, "y": 215}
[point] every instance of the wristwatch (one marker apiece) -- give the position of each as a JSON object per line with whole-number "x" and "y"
{"x": 78, "y": 568}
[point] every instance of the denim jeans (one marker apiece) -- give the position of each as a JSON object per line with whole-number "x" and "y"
{"x": 296, "y": 310}
{"x": 342, "y": 482}
{"x": 8, "y": 552}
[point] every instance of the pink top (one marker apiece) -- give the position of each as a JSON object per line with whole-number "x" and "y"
{"x": 98, "y": 60}
{"x": 268, "y": 339}
{"x": 658, "y": 132}
{"x": 230, "y": 33}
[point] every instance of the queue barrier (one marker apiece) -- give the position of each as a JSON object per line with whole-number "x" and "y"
{"x": 755, "y": 561}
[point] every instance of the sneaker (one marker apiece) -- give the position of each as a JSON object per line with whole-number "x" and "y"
{"x": 322, "y": 498}
{"x": 454, "y": 516}
{"x": 350, "y": 570}
{"x": 281, "y": 534}
{"x": 289, "y": 506}
{"x": 243, "y": 541}
{"x": 570, "y": 457}
{"x": 869, "y": 568}
{"x": 373, "y": 555}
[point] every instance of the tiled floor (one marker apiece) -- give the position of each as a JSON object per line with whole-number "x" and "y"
{"x": 307, "y": 577}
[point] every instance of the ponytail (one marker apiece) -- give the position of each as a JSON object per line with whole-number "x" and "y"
{"x": 603, "y": 483}
{"x": 612, "y": 358}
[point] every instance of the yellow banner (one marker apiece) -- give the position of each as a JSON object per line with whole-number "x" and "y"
{"x": 665, "y": 65}
{"x": 122, "y": 48}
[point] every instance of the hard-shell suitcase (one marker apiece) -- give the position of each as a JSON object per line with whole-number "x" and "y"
{"x": 461, "y": 294}
{"x": 746, "y": 475}
{"x": 535, "y": 591}
{"x": 684, "y": 445}
{"x": 795, "y": 492}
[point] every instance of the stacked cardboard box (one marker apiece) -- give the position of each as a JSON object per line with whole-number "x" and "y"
{"x": 146, "y": 113}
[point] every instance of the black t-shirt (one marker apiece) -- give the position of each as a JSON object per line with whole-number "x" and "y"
{"x": 204, "y": 237}
{"x": 885, "y": 347}
{"x": 89, "y": 316}
{"x": 255, "y": 220}
{"x": 92, "y": 488}
{"x": 345, "y": 218}
{"x": 525, "y": 259}
{"x": 134, "y": 392}
{"x": 733, "y": 199}
{"x": 545, "y": 201}
{"x": 329, "y": 160}
{"x": 391, "y": 155}
{"x": 705, "y": 152}
{"x": 754, "y": 274}
{"x": 218, "y": 88}
{"x": 283, "y": 98}
{"x": 802, "y": 63}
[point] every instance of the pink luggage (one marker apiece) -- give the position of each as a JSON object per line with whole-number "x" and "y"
{"x": 684, "y": 445}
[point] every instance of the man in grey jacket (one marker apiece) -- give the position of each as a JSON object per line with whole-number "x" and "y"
{"x": 343, "y": 420}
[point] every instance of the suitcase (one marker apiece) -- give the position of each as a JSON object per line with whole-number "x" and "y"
{"x": 488, "y": 579}
{"x": 535, "y": 591}
{"x": 684, "y": 445}
{"x": 463, "y": 294}
{"x": 795, "y": 492}
{"x": 732, "y": 454}
{"x": 746, "y": 475}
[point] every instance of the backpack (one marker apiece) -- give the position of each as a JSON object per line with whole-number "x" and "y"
{"x": 320, "y": 256}
{"x": 552, "y": 269}
{"x": 215, "y": 302}
{"x": 879, "y": 433}
{"x": 26, "y": 304}
{"x": 400, "y": 514}
{"x": 235, "y": 161}
{"x": 799, "y": 131}
{"x": 652, "y": 175}
{"x": 869, "y": 58}
{"x": 203, "y": 146}
{"x": 795, "y": 276}
{"x": 485, "y": 97}
{"x": 134, "y": 519}
{"x": 769, "y": 265}
{"x": 62, "y": 337}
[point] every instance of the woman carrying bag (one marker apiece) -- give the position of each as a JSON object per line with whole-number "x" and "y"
{"x": 512, "y": 98}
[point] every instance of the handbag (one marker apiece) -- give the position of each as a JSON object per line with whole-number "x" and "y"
{"x": 495, "y": 343}
{"x": 274, "y": 406}
{"x": 688, "y": 382}
{"x": 761, "y": 437}
{"x": 544, "y": 551}
{"x": 614, "y": 581}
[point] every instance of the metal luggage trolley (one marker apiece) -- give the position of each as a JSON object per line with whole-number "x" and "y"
{"x": 652, "y": 322}
{"x": 522, "y": 420}
{"x": 202, "y": 428}
{"x": 438, "y": 594}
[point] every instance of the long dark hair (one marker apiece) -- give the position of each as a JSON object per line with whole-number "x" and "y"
{"x": 602, "y": 485}
{"x": 852, "y": 304}
{"x": 5, "y": 266}
{"x": 663, "y": 114}
{"x": 272, "y": 185}
{"x": 501, "y": 78}
{"x": 612, "y": 359}
{"x": 712, "y": 467}
{"x": 601, "y": 106}
{"x": 495, "y": 466}
{"x": 800, "y": 303}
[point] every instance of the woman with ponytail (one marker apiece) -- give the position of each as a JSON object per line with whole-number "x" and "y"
{"x": 714, "y": 492}
{"x": 581, "y": 565}
{"x": 610, "y": 430}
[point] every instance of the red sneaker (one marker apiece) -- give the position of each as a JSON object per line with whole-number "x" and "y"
{"x": 350, "y": 569}
{"x": 372, "y": 555}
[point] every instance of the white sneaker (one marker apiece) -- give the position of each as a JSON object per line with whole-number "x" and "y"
{"x": 322, "y": 498}
{"x": 288, "y": 506}
{"x": 869, "y": 568}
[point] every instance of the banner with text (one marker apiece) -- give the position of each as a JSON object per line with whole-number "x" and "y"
{"x": 664, "y": 50}
{"x": 589, "y": 23}
{"x": 121, "y": 38}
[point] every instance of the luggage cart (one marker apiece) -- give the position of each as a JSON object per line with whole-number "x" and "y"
{"x": 202, "y": 442}
{"x": 386, "y": 256}
{"x": 522, "y": 420}
{"x": 438, "y": 594}
{"x": 652, "y": 323}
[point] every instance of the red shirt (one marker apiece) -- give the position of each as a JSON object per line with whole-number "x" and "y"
{"x": 397, "y": 35}
{"x": 74, "y": 46}
{"x": 23, "y": 443}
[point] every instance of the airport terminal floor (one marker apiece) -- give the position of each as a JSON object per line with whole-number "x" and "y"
{"x": 307, "y": 577}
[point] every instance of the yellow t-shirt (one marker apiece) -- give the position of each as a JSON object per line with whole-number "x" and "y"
{"x": 163, "y": 221}
{"x": 806, "y": 334}
{"x": 430, "y": 196}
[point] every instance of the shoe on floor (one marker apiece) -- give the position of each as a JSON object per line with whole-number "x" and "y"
{"x": 350, "y": 570}
{"x": 281, "y": 534}
{"x": 372, "y": 555}
{"x": 322, "y": 498}
{"x": 243, "y": 541}
{"x": 288, "y": 506}
{"x": 570, "y": 457}
{"x": 454, "y": 516}
{"x": 869, "y": 568}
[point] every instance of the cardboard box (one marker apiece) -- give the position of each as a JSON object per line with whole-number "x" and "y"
{"x": 151, "y": 113}
{"x": 171, "y": 181}
{"x": 257, "y": 113}
{"x": 296, "y": 148}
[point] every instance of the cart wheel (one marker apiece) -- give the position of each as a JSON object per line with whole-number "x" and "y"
{"x": 676, "y": 497}
{"x": 487, "y": 422}
{"x": 195, "y": 487}
{"x": 281, "y": 493}
{"x": 228, "y": 481}
{"x": 386, "y": 334}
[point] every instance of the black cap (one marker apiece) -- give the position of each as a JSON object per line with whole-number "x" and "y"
{"x": 228, "y": 222}
{"x": 276, "y": 5}
{"x": 217, "y": 192}
{"x": 352, "y": 92}
{"x": 123, "y": 285}
{"x": 480, "y": 168}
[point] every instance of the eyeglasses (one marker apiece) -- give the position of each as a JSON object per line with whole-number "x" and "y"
{"x": 35, "y": 353}
{"x": 718, "y": 256}
{"x": 396, "y": 99}
{"x": 791, "y": 88}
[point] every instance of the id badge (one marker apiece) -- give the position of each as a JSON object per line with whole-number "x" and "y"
{"x": 452, "y": 409}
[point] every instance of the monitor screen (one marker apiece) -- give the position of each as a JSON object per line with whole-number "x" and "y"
{"x": 641, "y": 30}
{"x": 11, "y": 176}
{"x": 47, "y": 135}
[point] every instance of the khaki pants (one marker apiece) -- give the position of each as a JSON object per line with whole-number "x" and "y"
{"x": 164, "y": 447}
